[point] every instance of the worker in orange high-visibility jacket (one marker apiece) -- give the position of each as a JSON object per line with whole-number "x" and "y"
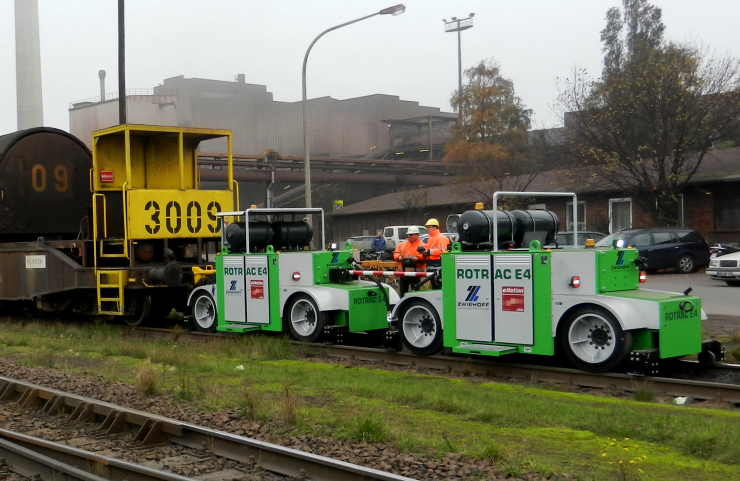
{"x": 435, "y": 246}
{"x": 409, "y": 258}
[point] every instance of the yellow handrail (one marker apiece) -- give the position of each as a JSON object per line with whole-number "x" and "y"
{"x": 125, "y": 221}
{"x": 237, "y": 194}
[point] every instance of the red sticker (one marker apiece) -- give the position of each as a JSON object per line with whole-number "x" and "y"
{"x": 106, "y": 176}
{"x": 512, "y": 299}
{"x": 258, "y": 289}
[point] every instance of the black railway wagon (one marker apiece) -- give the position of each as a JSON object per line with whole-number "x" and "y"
{"x": 44, "y": 185}
{"x": 109, "y": 233}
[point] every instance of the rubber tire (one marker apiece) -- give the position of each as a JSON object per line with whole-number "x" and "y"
{"x": 622, "y": 339}
{"x": 204, "y": 300}
{"x": 142, "y": 310}
{"x": 733, "y": 283}
{"x": 435, "y": 345}
{"x": 319, "y": 318}
{"x": 685, "y": 264}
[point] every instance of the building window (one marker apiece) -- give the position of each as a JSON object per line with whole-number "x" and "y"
{"x": 581, "y": 213}
{"x": 727, "y": 208}
{"x": 620, "y": 214}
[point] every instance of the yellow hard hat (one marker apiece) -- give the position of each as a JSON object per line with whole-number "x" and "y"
{"x": 433, "y": 222}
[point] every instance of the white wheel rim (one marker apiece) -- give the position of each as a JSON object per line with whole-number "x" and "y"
{"x": 303, "y": 317}
{"x": 419, "y": 326}
{"x": 591, "y": 338}
{"x": 204, "y": 312}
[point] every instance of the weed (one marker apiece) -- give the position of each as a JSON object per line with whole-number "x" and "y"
{"x": 43, "y": 357}
{"x": 407, "y": 444}
{"x": 369, "y": 429}
{"x": 146, "y": 380}
{"x": 184, "y": 391}
{"x": 512, "y": 469}
{"x": 701, "y": 444}
{"x": 623, "y": 458}
{"x": 111, "y": 372}
{"x": 290, "y": 414}
{"x": 550, "y": 386}
{"x": 248, "y": 405}
{"x": 494, "y": 453}
{"x": 643, "y": 391}
{"x": 276, "y": 348}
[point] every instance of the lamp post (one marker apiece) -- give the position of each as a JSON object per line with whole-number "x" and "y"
{"x": 395, "y": 10}
{"x": 458, "y": 25}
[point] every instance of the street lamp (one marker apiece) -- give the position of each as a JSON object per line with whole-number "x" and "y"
{"x": 395, "y": 10}
{"x": 458, "y": 25}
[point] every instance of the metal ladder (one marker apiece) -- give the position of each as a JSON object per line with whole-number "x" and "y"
{"x": 110, "y": 288}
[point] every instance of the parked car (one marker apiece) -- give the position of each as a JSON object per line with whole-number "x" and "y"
{"x": 397, "y": 233}
{"x": 365, "y": 243}
{"x": 725, "y": 268}
{"x": 718, "y": 250}
{"x": 565, "y": 239}
{"x": 665, "y": 247}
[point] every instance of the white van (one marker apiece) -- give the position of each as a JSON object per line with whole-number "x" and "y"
{"x": 397, "y": 233}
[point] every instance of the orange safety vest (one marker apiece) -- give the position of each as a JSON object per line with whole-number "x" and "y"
{"x": 437, "y": 244}
{"x": 407, "y": 249}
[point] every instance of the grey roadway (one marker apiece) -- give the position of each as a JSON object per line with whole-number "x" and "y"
{"x": 717, "y": 299}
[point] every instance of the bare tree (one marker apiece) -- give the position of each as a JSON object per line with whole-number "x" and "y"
{"x": 647, "y": 124}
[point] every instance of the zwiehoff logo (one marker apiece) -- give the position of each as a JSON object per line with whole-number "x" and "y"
{"x": 472, "y": 299}
{"x": 620, "y": 262}
{"x": 232, "y": 288}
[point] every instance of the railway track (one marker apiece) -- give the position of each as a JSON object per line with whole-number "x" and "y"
{"x": 683, "y": 384}
{"x": 138, "y": 446}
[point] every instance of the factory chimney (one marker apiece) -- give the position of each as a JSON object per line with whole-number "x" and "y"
{"x": 101, "y": 75}
{"x": 28, "y": 64}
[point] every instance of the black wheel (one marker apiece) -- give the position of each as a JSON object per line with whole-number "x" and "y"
{"x": 305, "y": 321}
{"x": 141, "y": 310}
{"x": 733, "y": 283}
{"x": 593, "y": 340}
{"x": 685, "y": 264}
{"x": 203, "y": 309}
{"x": 421, "y": 329}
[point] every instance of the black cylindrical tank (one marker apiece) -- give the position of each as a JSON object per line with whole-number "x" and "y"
{"x": 260, "y": 235}
{"x": 44, "y": 184}
{"x": 291, "y": 234}
{"x": 535, "y": 221}
{"x": 476, "y": 226}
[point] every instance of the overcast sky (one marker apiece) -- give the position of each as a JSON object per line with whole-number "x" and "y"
{"x": 411, "y": 56}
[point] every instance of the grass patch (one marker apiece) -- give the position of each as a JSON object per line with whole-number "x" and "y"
{"x": 369, "y": 429}
{"x": 535, "y": 428}
{"x": 643, "y": 391}
{"x": 146, "y": 380}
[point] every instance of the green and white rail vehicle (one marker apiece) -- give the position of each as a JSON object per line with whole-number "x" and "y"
{"x": 528, "y": 301}
{"x": 267, "y": 279}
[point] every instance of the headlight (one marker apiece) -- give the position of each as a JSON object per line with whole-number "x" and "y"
{"x": 713, "y": 263}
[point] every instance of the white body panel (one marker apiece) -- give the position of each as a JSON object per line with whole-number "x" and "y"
{"x": 234, "y": 289}
{"x": 565, "y": 265}
{"x": 630, "y": 313}
{"x": 209, "y": 288}
{"x": 434, "y": 298}
{"x": 330, "y": 298}
{"x": 290, "y": 262}
{"x": 513, "y": 319}
{"x": 474, "y": 298}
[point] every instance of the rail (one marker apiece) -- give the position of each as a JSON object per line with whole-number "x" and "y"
{"x": 154, "y": 429}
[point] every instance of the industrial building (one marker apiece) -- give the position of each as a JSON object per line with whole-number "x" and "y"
{"x": 351, "y": 128}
